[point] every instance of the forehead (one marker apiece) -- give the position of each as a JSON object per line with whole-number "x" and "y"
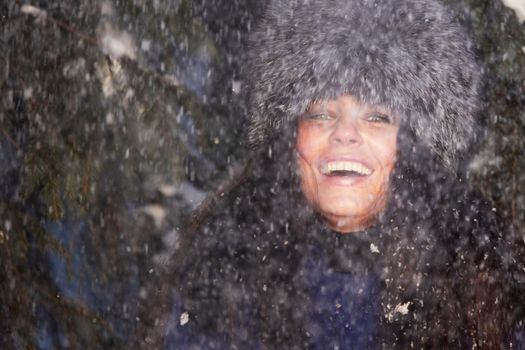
{"x": 346, "y": 102}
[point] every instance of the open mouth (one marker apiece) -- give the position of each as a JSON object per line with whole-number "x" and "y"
{"x": 345, "y": 168}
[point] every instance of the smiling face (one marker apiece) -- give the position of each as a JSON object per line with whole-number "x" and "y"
{"x": 346, "y": 151}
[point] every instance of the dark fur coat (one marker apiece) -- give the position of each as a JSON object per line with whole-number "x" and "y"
{"x": 448, "y": 277}
{"x": 442, "y": 254}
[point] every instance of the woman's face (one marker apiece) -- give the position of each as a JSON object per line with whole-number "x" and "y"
{"x": 346, "y": 151}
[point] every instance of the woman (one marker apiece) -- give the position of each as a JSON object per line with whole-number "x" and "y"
{"x": 349, "y": 227}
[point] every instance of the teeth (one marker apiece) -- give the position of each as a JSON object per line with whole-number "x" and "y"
{"x": 347, "y": 166}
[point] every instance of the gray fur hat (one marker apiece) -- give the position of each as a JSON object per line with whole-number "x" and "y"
{"x": 409, "y": 56}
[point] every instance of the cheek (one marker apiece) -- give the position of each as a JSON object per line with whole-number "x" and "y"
{"x": 310, "y": 142}
{"x": 307, "y": 179}
{"x": 303, "y": 141}
{"x": 307, "y": 150}
{"x": 389, "y": 157}
{"x": 305, "y": 159}
{"x": 385, "y": 150}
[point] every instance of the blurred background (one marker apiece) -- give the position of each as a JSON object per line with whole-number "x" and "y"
{"x": 118, "y": 117}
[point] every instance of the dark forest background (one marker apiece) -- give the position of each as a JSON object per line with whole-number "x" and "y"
{"x": 118, "y": 117}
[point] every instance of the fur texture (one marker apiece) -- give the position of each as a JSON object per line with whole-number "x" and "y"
{"x": 409, "y": 56}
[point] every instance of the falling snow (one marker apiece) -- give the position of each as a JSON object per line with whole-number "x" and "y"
{"x": 126, "y": 202}
{"x": 184, "y": 318}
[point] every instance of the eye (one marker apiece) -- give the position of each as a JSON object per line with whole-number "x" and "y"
{"x": 317, "y": 116}
{"x": 379, "y": 118}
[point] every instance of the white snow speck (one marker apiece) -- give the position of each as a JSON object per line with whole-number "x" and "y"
{"x": 184, "y": 318}
{"x": 167, "y": 190}
{"x": 156, "y": 212}
{"x": 145, "y": 45}
{"x": 33, "y": 10}
{"x": 399, "y": 309}
{"x": 402, "y": 308}
{"x": 28, "y": 93}
{"x": 374, "y": 248}
{"x": 110, "y": 118}
{"x": 236, "y": 86}
{"x": 117, "y": 43}
{"x": 113, "y": 42}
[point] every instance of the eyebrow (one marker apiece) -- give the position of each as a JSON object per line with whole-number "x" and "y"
{"x": 320, "y": 106}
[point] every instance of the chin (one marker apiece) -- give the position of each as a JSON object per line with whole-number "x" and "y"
{"x": 341, "y": 207}
{"x": 344, "y": 215}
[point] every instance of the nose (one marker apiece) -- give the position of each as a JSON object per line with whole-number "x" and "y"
{"x": 346, "y": 131}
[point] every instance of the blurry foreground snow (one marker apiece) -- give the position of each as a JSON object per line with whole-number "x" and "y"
{"x": 34, "y": 11}
{"x": 114, "y": 42}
